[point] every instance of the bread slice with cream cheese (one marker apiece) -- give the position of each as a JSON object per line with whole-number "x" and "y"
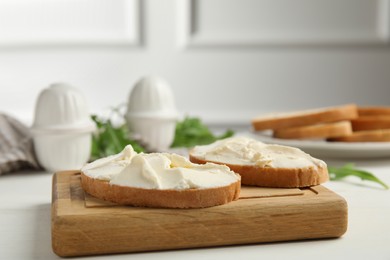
{"x": 265, "y": 165}
{"x": 159, "y": 180}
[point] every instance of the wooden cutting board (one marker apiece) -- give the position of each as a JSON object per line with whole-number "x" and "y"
{"x": 84, "y": 225}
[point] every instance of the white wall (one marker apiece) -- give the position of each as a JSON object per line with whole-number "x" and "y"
{"x": 225, "y": 59}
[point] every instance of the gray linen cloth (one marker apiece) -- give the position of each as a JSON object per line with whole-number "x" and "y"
{"x": 16, "y": 146}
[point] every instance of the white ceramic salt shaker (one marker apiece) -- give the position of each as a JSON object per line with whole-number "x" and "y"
{"x": 62, "y": 128}
{"x": 151, "y": 113}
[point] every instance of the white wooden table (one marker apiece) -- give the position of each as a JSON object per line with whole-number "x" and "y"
{"x": 25, "y": 199}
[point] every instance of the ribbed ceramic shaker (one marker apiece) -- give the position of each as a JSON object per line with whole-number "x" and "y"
{"x": 151, "y": 113}
{"x": 62, "y": 128}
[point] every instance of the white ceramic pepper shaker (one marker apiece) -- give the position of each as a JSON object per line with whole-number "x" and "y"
{"x": 62, "y": 128}
{"x": 151, "y": 113}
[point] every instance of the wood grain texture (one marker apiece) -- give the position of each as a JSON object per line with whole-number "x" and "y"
{"x": 261, "y": 215}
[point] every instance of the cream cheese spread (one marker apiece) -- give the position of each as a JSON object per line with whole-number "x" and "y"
{"x": 105, "y": 168}
{"x": 159, "y": 171}
{"x": 247, "y": 151}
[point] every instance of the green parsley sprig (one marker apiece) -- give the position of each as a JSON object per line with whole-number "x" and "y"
{"x": 350, "y": 170}
{"x": 191, "y": 131}
{"x": 109, "y": 139}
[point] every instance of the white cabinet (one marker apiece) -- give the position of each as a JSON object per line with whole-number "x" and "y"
{"x": 225, "y": 59}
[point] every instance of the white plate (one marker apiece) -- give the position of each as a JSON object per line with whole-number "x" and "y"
{"x": 320, "y": 148}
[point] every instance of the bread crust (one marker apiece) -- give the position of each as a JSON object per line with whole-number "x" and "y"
{"x": 275, "y": 177}
{"x": 304, "y": 118}
{"x": 381, "y": 135}
{"x": 336, "y": 129}
{"x": 370, "y": 123}
{"x": 191, "y": 198}
{"x": 374, "y": 111}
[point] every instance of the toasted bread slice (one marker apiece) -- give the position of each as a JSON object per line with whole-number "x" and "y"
{"x": 364, "y": 123}
{"x": 374, "y": 111}
{"x": 275, "y": 177}
{"x": 381, "y": 135}
{"x": 329, "y": 130}
{"x": 159, "y": 180}
{"x": 267, "y": 165}
{"x": 191, "y": 198}
{"x": 304, "y": 118}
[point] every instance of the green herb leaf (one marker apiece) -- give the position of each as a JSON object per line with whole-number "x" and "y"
{"x": 350, "y": 170}
{"x": 191, "y": 132}
{"x": 110, "y": 140}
